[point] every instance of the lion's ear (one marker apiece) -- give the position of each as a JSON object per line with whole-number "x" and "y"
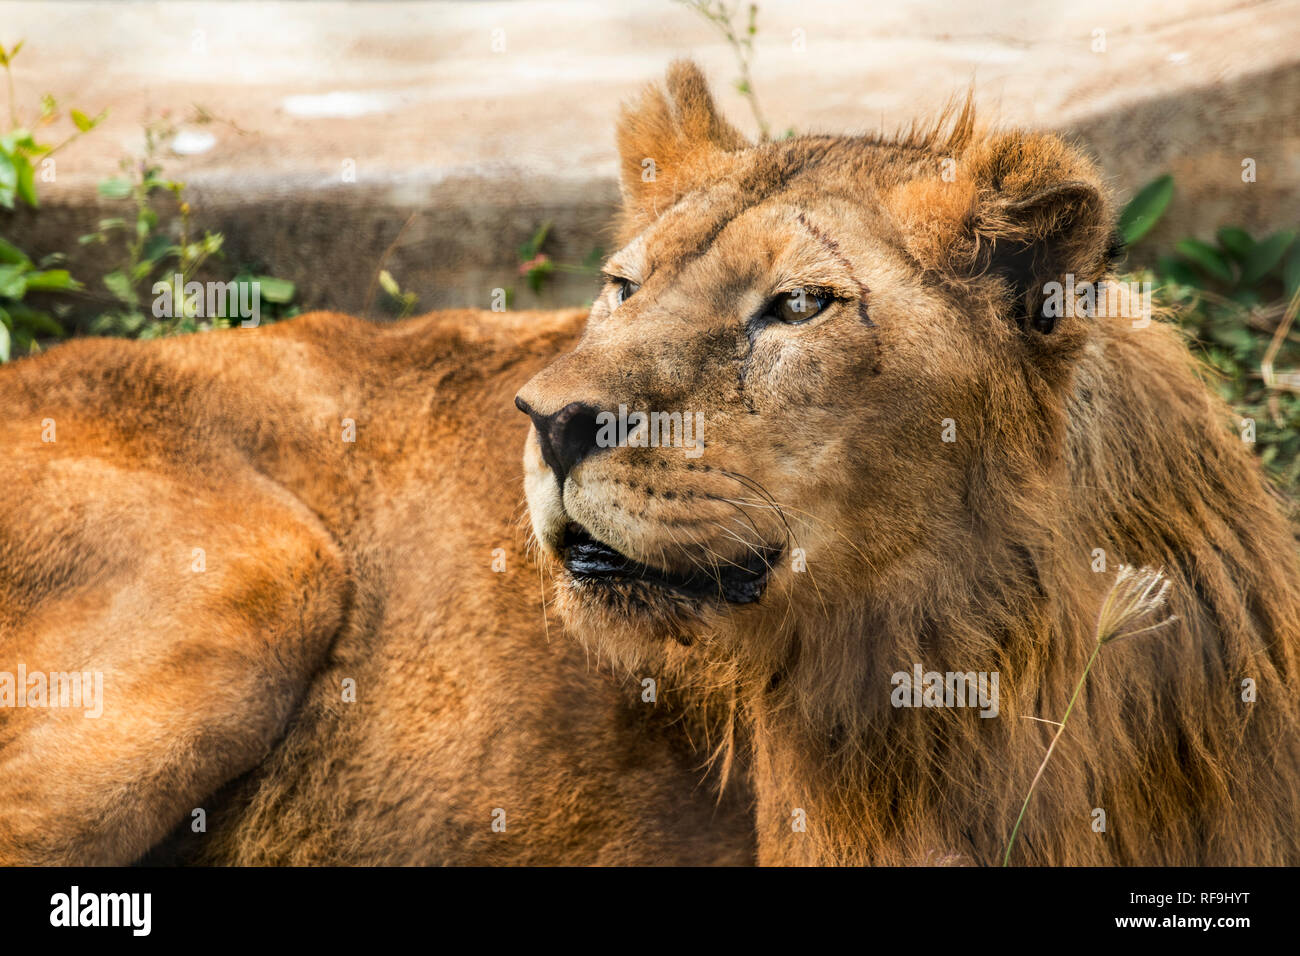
{"x": 1026, "y": 208}
{"x": 662, "y": 136}
{"x": 1057, "y": 235}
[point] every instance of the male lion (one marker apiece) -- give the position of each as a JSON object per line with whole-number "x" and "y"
{"x": 297, "y": 554}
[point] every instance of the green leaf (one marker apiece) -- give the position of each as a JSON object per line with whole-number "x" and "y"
{"x": 279, "y": 291}
{"x": 537, "y": 275}
{"x": 8, "y": 180}
{"x": 4, "y": 341}
{"x": 145, "y": 221}
{"x": 12, "y": 255}
{"x": 82, "y": 121}
{"x": 1236, "y": 241}
{"x": 13, "y": 281}
{"x": 156, "y": 247}
{"x": 1171, "y": 267}
{"x": 389, "y": 284}
{"x": 1146, "y": 208}
{"x": 1266, "y": 255}
{"x": 115, "y": 188}
{"x": 52, "y": 279}
{"x": 1205, "y": 256}
{"x": 6, "y": 57}
{"x": 26, "y": 181}
{"x": 140, "y": 271}
{"x": 21, "y": 138}
{"x": 118, "y": 284}
{"x": 37, "y": 321}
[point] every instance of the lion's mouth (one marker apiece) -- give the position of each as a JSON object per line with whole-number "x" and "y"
{"x": 740, "y": 582}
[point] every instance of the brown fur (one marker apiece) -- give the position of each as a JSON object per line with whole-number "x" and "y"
{"x": 329, "y": 560}
{"x": 325, "y": 560}
{"x": 974, "y": 555}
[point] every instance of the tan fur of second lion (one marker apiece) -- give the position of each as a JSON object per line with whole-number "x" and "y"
{"x": 298, "y": 554}
{"x": 325, "y": 561}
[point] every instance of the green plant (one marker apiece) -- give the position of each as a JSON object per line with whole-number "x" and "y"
{"x": 741, "y": 40}
{"x": 155, "y": 247}
{"x": 402, "y": 303}
{"x": 21, "y": 323}
{"x": 168, "y": 251}
{"x": 1145, "y": 208}
{"x": 149, "y": 250}
{"x": 537, "y": 267}
{"x": 1231, "y": 296}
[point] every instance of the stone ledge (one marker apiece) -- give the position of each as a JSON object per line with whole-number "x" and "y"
{"x": 476, "y": 149}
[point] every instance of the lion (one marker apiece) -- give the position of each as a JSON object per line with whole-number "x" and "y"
{"x": 822, "y": 428}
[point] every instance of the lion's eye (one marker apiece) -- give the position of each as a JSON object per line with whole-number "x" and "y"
{"x": 624, "y": 289}
{"x": 795, "y": 307}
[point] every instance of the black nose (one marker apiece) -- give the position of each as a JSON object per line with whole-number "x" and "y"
{"x": 567, "y": 437}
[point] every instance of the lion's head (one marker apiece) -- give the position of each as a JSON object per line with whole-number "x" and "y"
{"x": 795, "y": 326}
{"x": 927, "y": 428}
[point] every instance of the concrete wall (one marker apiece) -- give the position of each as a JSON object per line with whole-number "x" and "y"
{"x": 474, "y": 147}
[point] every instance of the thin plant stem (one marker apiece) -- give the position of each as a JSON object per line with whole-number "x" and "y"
{"x": 374, "y": 279}
{"x": 743, "y": 48}
{"x": 13, "y": 108}
{"x": 1048, "y": 756}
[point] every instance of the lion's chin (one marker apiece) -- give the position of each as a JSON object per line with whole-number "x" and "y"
{"x": 629, "y": 615}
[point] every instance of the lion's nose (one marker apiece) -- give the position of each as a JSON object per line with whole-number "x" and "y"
{"x": 567, "y": 436}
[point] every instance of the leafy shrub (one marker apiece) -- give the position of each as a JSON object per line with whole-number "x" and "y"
{"x": 154, "y": 246}
{"x": 151, "y": 253}
{"x": 1232, "y": 298}
{"x": 21, "y": 322}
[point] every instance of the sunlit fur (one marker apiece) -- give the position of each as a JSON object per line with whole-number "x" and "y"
{"x": 978, "y": 554}
{"x": 480, "y": 688}
{"x": 394, "y": 564}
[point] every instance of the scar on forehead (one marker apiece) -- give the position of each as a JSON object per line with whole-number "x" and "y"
{"x": 833, "y": 248}
{"x": 830, "y": 244}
